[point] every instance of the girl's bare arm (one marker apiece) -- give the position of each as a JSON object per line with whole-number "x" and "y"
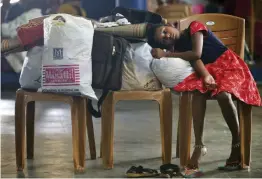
{"x": 194, "y": 55}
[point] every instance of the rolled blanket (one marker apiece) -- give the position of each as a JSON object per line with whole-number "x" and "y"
{"x": 132, "y": 31}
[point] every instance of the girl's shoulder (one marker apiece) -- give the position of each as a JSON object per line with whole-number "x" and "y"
{"x": 197, "y": 26}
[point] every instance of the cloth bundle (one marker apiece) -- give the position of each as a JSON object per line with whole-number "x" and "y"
{"x": 137, "y": 74}
{"x": 31, "y": 34}
{"x": 28, "y": 36}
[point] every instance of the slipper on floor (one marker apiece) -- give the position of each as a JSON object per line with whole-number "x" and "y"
{"x": 170, "y": 170}
{"x": 141, "y": 172}
{"x": 192, "y": 173}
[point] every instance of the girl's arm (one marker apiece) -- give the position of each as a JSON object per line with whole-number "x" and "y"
{"x": 194, "y": 55}
{"x": 200, "y": 68}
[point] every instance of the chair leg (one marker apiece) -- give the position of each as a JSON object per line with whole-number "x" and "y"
{"x": 166, "y": 126}
{"x": 245, "y": 122}
{"x": 30, "y": 129}
{"x": 90, "y": 133}
{"x": 185, "y": 123}
{"x": 108, "y": 131}
{"x": 101, "y": 148}
{"x": 20, "y": 131}
{"x": 177, "y": 140}
{"x": 82, "y": 119}
{"x": 75, "y": 131}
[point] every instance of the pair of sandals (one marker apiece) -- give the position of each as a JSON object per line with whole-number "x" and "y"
{"x": 171, "y": 170}
{"x": 166, "y": 171}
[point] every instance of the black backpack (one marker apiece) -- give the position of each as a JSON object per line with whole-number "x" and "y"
{"x": 107, "y": 60}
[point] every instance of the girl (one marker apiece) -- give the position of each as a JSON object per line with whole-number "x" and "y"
{"x": 220, "y": 73}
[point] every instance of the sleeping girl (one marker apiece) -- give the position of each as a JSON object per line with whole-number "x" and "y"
{"x": 219, "y": 73}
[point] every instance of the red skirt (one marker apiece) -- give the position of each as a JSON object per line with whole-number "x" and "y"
{"x": 231, "y": 74}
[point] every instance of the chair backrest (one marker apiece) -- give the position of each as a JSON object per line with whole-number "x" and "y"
{"x": 229, "y": 29}
{"x": 174, "y": 12}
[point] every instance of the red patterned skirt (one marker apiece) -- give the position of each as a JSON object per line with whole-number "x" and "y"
{"x": 231, "y": 74}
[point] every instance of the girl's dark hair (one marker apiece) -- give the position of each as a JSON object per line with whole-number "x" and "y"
{"x": 150, "y": 35}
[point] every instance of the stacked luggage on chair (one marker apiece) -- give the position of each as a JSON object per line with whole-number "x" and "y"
{"x": 116, "y": 37}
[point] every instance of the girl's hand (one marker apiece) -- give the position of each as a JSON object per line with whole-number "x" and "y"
{"x": 210, "y": 82}
{"x": 158, "y": 53}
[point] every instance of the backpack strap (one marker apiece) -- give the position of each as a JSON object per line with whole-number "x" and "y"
{"x": 97, "y": 114}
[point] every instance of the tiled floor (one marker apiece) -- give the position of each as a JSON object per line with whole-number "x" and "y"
{"x": 137, "y": 141}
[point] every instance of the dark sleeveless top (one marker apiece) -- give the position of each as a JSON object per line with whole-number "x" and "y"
{"x": 212, "y": 46}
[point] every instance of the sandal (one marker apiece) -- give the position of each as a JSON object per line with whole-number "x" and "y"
{"x": 192, "y": 173}
{"x": 170, "y": 170}
{"x": 141, "y": 172}
{"x": 232, "y": 166}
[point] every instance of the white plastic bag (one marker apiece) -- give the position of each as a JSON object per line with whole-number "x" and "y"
{"x": 171, "y": 71}
{"x": 67, "y": 65}
{"x": 137, "y": 74}
{"x": 30, "y": 77}
{"x": 16, "y": 60}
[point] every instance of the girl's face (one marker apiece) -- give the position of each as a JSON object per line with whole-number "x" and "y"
{"x": 166, "y": 35}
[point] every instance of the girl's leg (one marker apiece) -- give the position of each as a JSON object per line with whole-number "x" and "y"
{"x": 198, "y": 113}
{"x": 229, "y": 112}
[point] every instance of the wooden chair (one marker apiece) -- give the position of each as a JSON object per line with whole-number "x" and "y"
{"x": 174, "y": 12}
{"x": 25, "y": 116}
{"x": 231, "y": 31}
{"x": 163, "y": 97}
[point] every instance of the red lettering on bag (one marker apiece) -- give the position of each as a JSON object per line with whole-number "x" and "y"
{"x": 61, "y": 75}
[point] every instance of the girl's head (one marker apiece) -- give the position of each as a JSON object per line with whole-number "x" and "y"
{"x": 161, "y": 36}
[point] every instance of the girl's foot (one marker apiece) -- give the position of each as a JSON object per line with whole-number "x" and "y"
{"x": 192, "y": 173}
{"x": 234, "y": 160}
{"x": 200, "y": 150}
{"x": 192, "y": 170}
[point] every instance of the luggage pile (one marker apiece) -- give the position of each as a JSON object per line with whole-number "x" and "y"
{"x": 73, "y": 55}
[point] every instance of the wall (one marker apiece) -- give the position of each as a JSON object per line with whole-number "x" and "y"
{"x": 98, "y": 8}
{"x": 136, "y": 4}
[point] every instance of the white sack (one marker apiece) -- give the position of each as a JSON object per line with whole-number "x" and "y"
{"x": 67, "y": 65}
{"x": 171, "y": 71}
{"x": 30, "y": 77}
{"x": 137, "y": 74}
